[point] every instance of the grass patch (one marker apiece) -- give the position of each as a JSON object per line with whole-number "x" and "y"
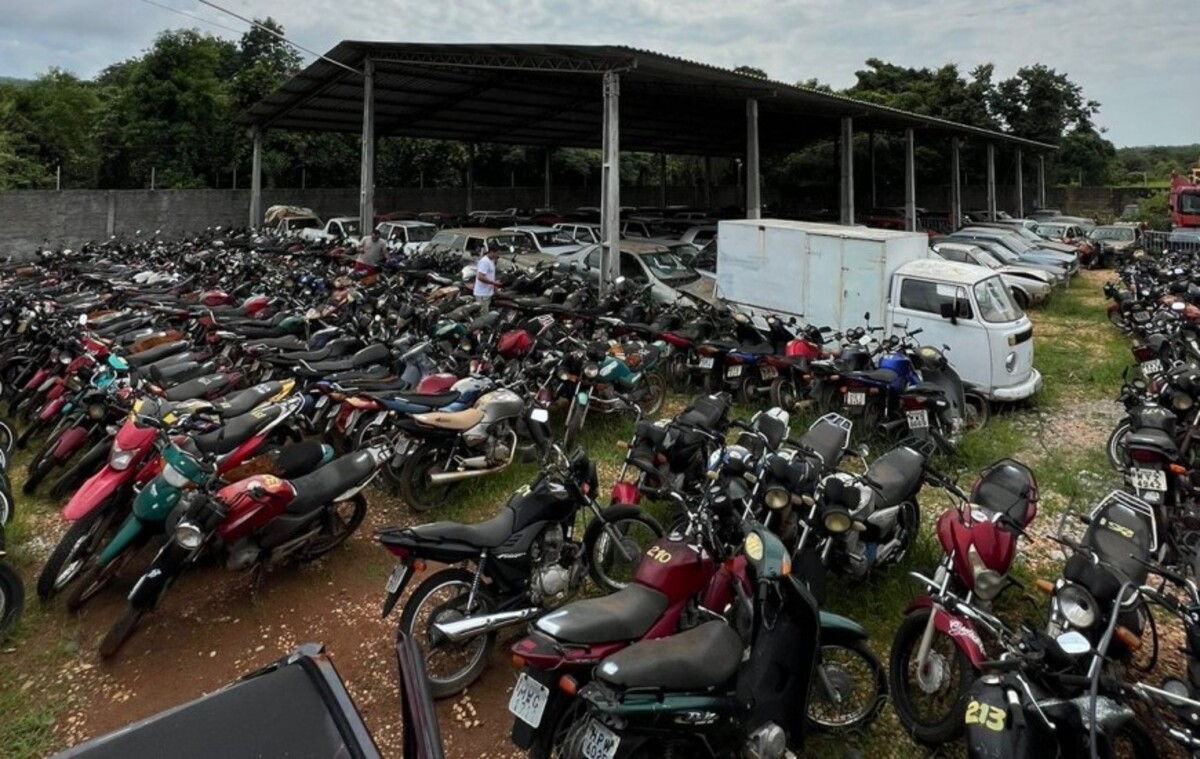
{"x": 1075, "y": 349}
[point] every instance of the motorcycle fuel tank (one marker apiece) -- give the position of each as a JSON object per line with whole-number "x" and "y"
{"x": 252, "y": 503}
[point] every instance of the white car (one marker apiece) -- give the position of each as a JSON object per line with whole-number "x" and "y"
{"x": 406, "y": 236}
{"x": 585, "y": 233}
{"x": 345, "y": 228}
{"x": 1029, "y": 287}
{"x": 554, "y": 242}
{"x": 699, "y": 235}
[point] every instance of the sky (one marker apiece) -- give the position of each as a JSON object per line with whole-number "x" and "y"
{"x": 1130, "y": 55}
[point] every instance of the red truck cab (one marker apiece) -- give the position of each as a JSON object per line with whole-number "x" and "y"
{"x": 1185, "y": 202}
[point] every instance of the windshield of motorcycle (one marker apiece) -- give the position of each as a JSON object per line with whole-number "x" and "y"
{"x": 187, "y": 465}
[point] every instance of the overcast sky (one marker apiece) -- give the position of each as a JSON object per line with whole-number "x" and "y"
{"x": 1131, "y": 55}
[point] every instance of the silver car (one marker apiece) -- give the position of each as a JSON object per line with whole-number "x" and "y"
{"x": 1029, "y": 287}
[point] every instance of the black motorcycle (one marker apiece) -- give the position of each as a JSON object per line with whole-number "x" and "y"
{"x": 526, "y": 560}
{"x": 12, "y": 594}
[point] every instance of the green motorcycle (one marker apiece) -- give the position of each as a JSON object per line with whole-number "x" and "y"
{"x": 610, "y": 379}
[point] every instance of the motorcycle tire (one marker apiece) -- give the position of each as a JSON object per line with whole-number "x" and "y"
{"x": 869, "y": 687}
{"x": 34, "y": 427}
{"x": 747, "y": 392}
{"x": 94, "y": 580}
{"x": 656, "y": 389}
{"x": 76, "y": 547}
{"x": 609, "y": 569}
{"x": 712, "y": 383}
{"x": 12, "y": 599}
{"x": 43, "y": 467}
{"x": 676, "y": 370}
{"x": 415, "y": 490}
{"x": 1118, "y": 320}
{"x": 942, "y": 724}
{"x": 785, "y": 394}
{"x": 120, "y": 631}
{"x": 336, "y": 530}
{"x": 462, "y": 678}
{"x": 6, "y": 437}
{"x": 1115, "y": 447}
{"x": 977, "y": 413}
{"x": 551, "y": 742}
{"x": 575, "y": 419}
{"x": 6, "y": 507}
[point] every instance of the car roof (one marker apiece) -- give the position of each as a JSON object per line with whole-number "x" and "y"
{"x": 476, "y": 231}
{"x": 529, "y": 228}
{"x": 406, "y": 223}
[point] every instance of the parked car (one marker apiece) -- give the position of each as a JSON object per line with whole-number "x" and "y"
{"x": 1007, "y": 257}
{"x": 1060, "y": 231}
{"x": 1044, "y": 214}
{"x": 984, "y": 215}
{"x": 339, "y": 228}
{"x": 290, "y": 221}
{"x": 935, "y": 222}
{"x": 645, "y": 227}
{"x": 1030, "y": 236}
{"x": 1084, "y": 223}
{"x": 1010, "y": 249}
{"x": 1026, "y": 250}
{"x": 472, "y": 241}
{"x": 1114, "y": 240}
{"x": 585, "y": 233}
{"x": 547, "y": 239}
{"x": 700, "y": 235}
{"x": 545, "y": 217}
{"x": 406, "y": 236}
{"x": 885, "y": 218}
{"x": 1029, "y": 287}
{"x": 644, "y": 262}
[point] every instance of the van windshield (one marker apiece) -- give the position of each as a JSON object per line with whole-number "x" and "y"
{"x": 995, "y": 304}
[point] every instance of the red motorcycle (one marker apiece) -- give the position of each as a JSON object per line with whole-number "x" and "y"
{"x": 938, "y": 652}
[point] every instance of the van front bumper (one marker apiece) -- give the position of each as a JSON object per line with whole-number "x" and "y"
{"x": 1019, "y": 392}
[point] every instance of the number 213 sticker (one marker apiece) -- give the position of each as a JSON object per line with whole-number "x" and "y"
{"x": 991, "y": 717}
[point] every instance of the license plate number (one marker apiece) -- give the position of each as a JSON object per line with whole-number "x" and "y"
{"x": 856, "y": 399}
{"x": 918, "y": 420}
{"x": 706, "y": 362}
{"x": 397, "y": 577}
{"x": 1149, "y": 479}
{"x": 1153, "y": 366}
{"x": 599, "y": 742}
{"x": 769, "y": 372}
{"x": 734, "y": 371}
{"x": 528, "y": 701}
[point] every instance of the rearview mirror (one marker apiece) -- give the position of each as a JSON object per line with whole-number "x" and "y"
{"x": 946, "y": 309}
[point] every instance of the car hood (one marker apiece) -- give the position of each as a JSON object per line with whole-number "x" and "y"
{"x": 558, "y": 250}
{"x": 1021, "y": 272}
{"x": 1057, "y": 247}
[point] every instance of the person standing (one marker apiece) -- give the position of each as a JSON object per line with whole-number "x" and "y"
{"x": 370, "y": 254}
{"x": 485, "y": 279}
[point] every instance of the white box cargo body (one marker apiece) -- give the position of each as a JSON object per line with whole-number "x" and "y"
{"x": 824, "y": 274}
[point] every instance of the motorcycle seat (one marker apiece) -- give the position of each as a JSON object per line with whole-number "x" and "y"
{"x": 285, "y": 342}
{"x": 451, "y": 420}
{"x": 926, "y": 388}
{"x": 487, "y": 534}
{"x": 372, "y": 354}
{"x": 896, "y": 474}
{"x": 199, "y": 387}
{"x": 721, "y": 344}
{"x": 333, "y": 349}
{"x": 878, "y": 376}
{"x": 826, "y": 441}
{"x": 624, "y": 615}
{"x": 756, "y": 349}
{"x": 1151, "y": 438}
{"x": 157, "y": 352}
{"x": 237, "y": 431}
{"x": 244, "y": 400}
{"x": 429, "y": 400}
{"x": 704, "y": 657}
{"x": 319, "y": 488}
{"x": 165, "y": 376}
{"x": 705, "y": 412}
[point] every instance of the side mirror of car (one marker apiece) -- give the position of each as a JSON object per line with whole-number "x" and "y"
{"x": 947, "y": 310}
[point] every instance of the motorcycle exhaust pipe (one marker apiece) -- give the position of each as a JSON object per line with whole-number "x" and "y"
{"x": 465, "y": 629}
{"x": 445, "y": 478}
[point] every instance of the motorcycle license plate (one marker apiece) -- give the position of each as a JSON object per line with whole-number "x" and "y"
{"x": 706, "y": 362}
{"x": 734, "y": 371}
{"x": 528, "y": 701}
{"x": 599, "y": 742}
{"x": 397, "y": 577}
{"x": 918, "y": 420}
{"x": 1149, "y": 479}
{"x": 856, "y": 399}
{"x": 769, "y": 372}
{"x": 1154, "y": 366}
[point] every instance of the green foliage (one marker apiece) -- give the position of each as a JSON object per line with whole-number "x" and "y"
{"x": 757, "y": 73}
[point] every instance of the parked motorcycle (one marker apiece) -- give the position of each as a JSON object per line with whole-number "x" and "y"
{"x": 12, "y": 594}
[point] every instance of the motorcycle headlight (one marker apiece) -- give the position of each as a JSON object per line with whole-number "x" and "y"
{"x": 96, "y": 412}
{"x": 465, "y": 346}
{"x": 120, "y": 459}
{"x": 174, "y": 477}
{"x": 1076, "y": 605}
{"x": 777, "y": 498}
{"x": 1182, "y": 402}
{"x": 988, "y": 582}
{"x": 188, "y": 535}
{"x": 836, "y": 519}
{"x": 564, "y": 375}
{"x": 74, "y": 384}
{"x": 591, "y": 370}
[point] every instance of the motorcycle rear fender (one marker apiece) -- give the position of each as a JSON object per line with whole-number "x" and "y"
{"x": 68, "y": 443}
{"x": 842, "y": 627}
{"x": 95, "y": 491}
{"x": 958, "y": 629}
{"x": 51, "y": 409}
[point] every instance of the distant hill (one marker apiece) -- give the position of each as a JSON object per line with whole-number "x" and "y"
{"x": 15, "y": 81}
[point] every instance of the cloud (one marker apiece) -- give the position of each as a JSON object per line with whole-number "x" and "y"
{"x": 1128, "y": 56}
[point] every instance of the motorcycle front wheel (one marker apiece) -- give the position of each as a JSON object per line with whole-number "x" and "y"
{"x": 929, "y": 703}
{"x": 80, "y": 543}
{"x": 615, "y": 546}
{"x": 12, "y": 599}
{"x": 442, "y": 597}
{"x": 849, "y": 687}
{"x": 120, "y": 632}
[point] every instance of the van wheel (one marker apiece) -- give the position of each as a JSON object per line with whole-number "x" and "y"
{"x": 977, "y": 413}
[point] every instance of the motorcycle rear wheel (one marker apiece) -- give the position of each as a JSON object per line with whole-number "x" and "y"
{"x": 460, "y": 676}
{"x": 120, "y": 632}
{"x": 1115, "y": 447}
{"x": 415, "y": 488}
{"x": 341, "y": 520}
{"x": 941, "y": 720}
{"x": 12, "y": 599}
{"x": 37, "y": 474}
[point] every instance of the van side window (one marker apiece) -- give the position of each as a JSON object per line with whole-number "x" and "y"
{"x": 919, "y": 295}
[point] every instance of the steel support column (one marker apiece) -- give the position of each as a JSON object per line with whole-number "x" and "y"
{"x": 470, "y": 177}
{"x": 955, "y": 185}
{"x": 991, "y": 181}
{"x": 910, "y": 181}
{"x": 366, "y": 176}
{"x": 256, "y": 209}
{"x": 662, "y": 181}
{"x": 846, "y": 162}
{"x": 1041, "y": 181}
{"x": 874, "y": 191}
{"x": 1020, "y": 185}
{"x": 708, "y": 181}
{"x": 610, "y": 190}
{"x": 546, "y": 177}
{"x": 753, "y": 182}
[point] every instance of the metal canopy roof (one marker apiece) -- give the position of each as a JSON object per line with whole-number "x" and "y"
{"x": 552, "y": 95}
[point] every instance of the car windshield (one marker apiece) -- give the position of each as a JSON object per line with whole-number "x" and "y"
{"x": 995, "y": 303}
{"x": 1189, "y": 203}
{"x": 986, "y": 259}
{"x": 421, "y": 234}
{"x": 350, "y": 227}
{"x": 1002, "y": 254}
{"x": 1116, "y": 234}
{"x": 502, "y": 243}
{"x": 550, "y": 239}
{"x": 309, "y": 223}
{"x": 669, "y": 267}
{"x": 1051, "y": 231}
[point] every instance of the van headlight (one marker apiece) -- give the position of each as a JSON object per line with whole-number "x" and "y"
{"x": 1076, "y": 605}
{"x": 1010, "y": 361}
{"x": 188, "y": 535}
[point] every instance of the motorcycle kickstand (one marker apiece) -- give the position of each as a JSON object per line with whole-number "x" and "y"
{"x": 256, "y": 582}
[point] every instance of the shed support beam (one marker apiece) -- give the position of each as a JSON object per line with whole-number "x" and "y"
{"x": 708, "y": 181}
{"x": 874, "y": 190}
{"x": 753, "y": 182}
{"x": 470, "y": 177}
{"x": 1020, "y": 185}
{"x": 846, "y": 148}
{"x": 1041, "y": 181}
{"x": 610, "y": 191}
{"x": 991, "y": 181}
{"x": 546, "y": 177}
{"x": 910, "y": 181}
{"x": 256, "y": 208}
{"x": 662, "y": 181}
{"x": 366, "y": 176}
{"x": 955, "y": 185}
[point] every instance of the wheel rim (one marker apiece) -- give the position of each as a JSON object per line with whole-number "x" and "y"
{"x": 341, "y": 519}
{"x": 446, "y": 661}
{"x": 844, "y": 689}
{"x": 931, "y": 691}
{"x": 77, "y": 558}
{"x": 616, "y": 567}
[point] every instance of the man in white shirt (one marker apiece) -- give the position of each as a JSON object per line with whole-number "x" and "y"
{"x": 485, "y": 279}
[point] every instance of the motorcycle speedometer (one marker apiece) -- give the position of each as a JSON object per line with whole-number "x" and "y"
{"x": 1076, "y": 606}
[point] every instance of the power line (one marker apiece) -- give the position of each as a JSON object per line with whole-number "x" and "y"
{"x": 274, "y": 33}
{"x": 191, "y": 16}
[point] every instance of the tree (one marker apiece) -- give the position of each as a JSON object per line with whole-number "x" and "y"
{"x": 753, "y": 71}
{"x": 61, "y": 110}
